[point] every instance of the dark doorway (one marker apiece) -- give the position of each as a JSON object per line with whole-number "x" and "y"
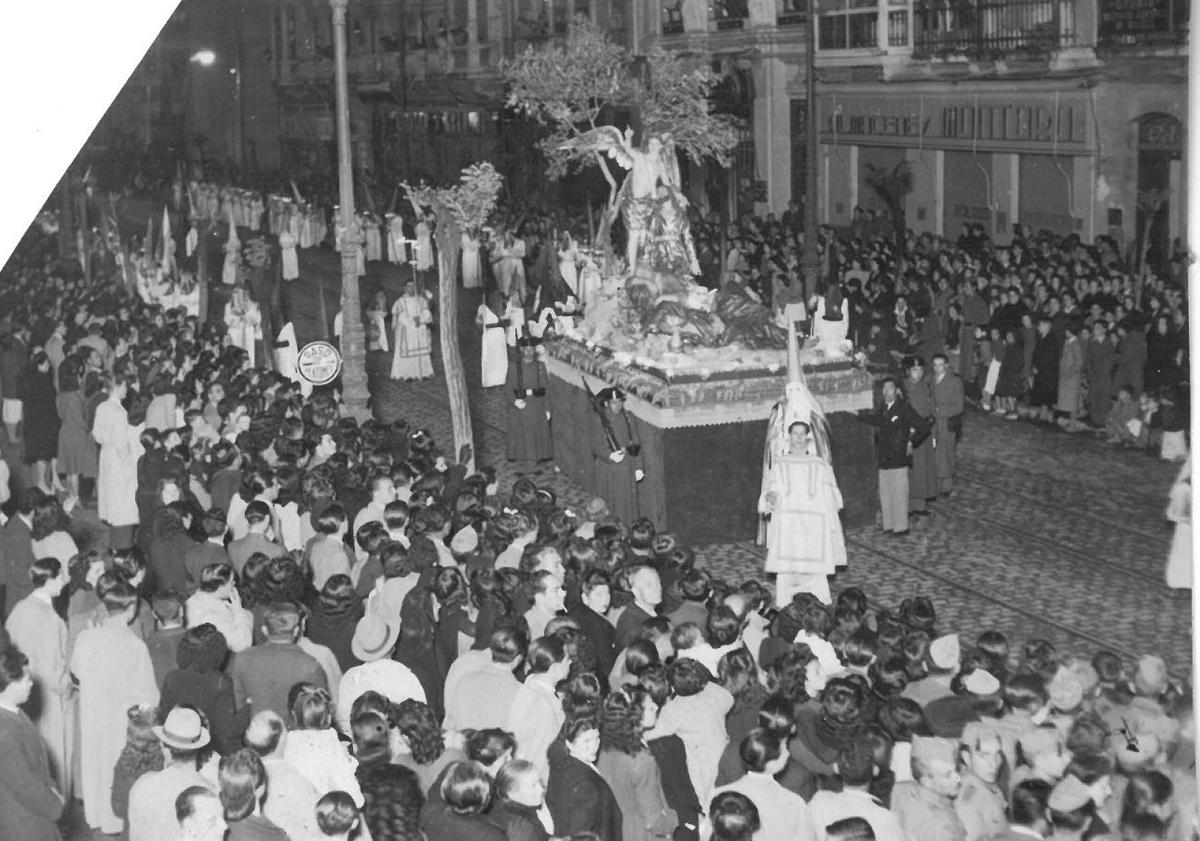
{"x": 1160, "y": 141}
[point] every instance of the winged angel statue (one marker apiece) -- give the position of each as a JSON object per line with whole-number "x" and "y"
{"x": 652, "y": 205}
{"x": 661, "y": 255}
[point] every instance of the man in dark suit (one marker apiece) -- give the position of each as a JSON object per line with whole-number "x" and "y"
{"x": 898, "y": 431}
{"x": 264, "y": 674}
{"x": 29, "y": 803}
{"x": 258, "y": 518}
{"x": 595, "y": 595}
{"x": 16, "y": 549}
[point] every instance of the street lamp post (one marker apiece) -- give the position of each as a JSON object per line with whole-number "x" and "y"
{"x": 810, "y": 263}
{"x": 353, "y": 342}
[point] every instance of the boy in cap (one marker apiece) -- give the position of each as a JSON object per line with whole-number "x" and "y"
{"x": 942, "y": 664}
{"x": 925, "y": 806}
{"x": 1071, "y": 809}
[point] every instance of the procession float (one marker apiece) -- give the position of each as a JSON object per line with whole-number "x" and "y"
{"x": 700, "y": 370}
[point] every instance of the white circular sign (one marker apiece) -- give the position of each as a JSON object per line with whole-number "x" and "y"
{"x": 319, "y": 363}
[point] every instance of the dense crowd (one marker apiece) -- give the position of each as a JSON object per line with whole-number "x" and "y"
{"x": 294, "y": 625}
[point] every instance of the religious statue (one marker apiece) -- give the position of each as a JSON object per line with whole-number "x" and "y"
{"x": 653, "y": 207}
{"x": 661, "y": 255}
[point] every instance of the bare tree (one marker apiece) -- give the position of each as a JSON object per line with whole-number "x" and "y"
{"x": 463, "y": 206}
{"x": 572, "y": 87}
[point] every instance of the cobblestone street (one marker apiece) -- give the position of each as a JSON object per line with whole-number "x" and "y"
{"x": 1047, "y": 534}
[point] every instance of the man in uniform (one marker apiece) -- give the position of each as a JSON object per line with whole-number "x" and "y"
{"x": 616, "y": 456}
{"x": 947, "y": 388}
{"x": 980, "y": 803}
{"x": 925, "y": 805}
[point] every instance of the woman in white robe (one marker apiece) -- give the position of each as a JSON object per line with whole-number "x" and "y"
{"x": 243, "y": 319}
{"x": 472, "y": 277}
{"x": 423, "y": 252}
{"x": 411, "y": 318}
{"x": 805, "y": 544}
{"x": 41, "y": 635}
{"x": 494, "y": 345}
{"x": 115, "y": 672}
{"x": 120, "y": 449}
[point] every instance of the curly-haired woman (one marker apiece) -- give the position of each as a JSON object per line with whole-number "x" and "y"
{"x": 200, "y": 682}
{"x": 629, "y": 766}
{"x": 428, "y": 754}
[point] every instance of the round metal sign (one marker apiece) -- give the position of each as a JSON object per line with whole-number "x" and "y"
{"x": 319, "y": 363}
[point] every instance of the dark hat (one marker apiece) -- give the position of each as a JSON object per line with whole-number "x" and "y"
{"x": 611, "y": 393}
{"x": 833, "y": 303}
{"x": 949, "y": 715}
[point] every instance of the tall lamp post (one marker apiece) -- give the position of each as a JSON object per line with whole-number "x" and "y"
{"x": 810, "y": 262}
{"x": 353, "y": 343}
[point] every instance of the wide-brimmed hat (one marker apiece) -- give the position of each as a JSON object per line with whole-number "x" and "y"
{"x": 374, "y": 638}
{"x": 183, "y": 730}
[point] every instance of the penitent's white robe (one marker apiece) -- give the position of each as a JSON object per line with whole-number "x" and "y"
{"x": 471, "y": 274}
{"x": 805, "y": 543}
{"x": 493, "y": 355}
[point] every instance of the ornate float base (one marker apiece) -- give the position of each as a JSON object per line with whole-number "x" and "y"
{"x": 702, "y": 436}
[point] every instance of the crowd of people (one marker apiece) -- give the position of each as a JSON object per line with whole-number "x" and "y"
{"x": 294, "y": 625}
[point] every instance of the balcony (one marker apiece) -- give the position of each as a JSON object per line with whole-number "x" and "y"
{"x": 672, "y": 17}
{"x": 728, "y": 14}
{"x": 992, "y": 29}
{"x": 1142, "y": 23}
{"x": 791, "y": 12}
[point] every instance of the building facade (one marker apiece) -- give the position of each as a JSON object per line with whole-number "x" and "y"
{"x": 426, "y": 93}
{"x": 1064, "y": 115}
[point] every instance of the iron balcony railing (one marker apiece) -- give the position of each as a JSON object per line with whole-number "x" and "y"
{"x": 991, "y": 29}
{"x": 1142, "y": 23}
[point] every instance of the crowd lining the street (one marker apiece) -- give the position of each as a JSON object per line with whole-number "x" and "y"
{"x": 294, "y": 625}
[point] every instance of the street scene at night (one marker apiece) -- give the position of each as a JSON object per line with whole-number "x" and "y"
{"x": 607, "y": 420}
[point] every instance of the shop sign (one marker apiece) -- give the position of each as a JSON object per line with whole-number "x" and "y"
{"x": 306, "y": 124}
{"x": 1123, "y": 19}
{"x": 1034, "y": 122}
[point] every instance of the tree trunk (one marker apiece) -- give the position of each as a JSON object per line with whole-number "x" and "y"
{"x": 449, "y": 242}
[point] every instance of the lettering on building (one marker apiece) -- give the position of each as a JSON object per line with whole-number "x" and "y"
{"x": 1040, "y": 122}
